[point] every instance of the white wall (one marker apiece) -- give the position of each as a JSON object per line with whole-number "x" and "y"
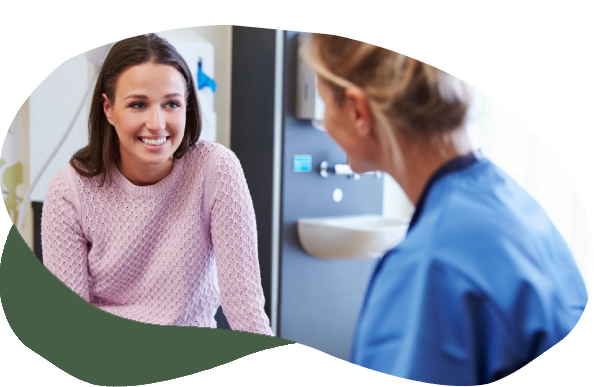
{"x": 221, "y": 37}
{"x": 52, "y": 106}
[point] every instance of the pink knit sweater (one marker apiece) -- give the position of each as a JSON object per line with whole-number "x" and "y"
{"x": 168, "y": 253}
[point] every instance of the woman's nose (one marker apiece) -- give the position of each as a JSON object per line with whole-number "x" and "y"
{"x": 156, "y": 119}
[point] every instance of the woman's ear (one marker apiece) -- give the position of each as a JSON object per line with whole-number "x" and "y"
{"x": 107, "y": 108}
{"x": 360, "y": 113}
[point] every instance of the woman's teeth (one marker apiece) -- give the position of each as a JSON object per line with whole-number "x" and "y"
{"x": 154, "y": 142}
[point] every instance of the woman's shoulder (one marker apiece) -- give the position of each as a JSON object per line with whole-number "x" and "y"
{"x": 75, "y": 173}
{"x": 69, "y": 181}
{"x": 209, "y": 154}
{"x": 62, "y": 184}
{"x": 62, "y": 177}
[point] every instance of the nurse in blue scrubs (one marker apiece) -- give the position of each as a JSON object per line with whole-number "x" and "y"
{"x": 483, "y": 283}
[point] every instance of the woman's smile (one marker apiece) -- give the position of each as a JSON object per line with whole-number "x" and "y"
{"x": 154, "y": 144}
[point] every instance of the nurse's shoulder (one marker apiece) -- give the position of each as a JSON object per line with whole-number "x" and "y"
{"x": 487, "y": 225}
{"x": 487, "y": 229}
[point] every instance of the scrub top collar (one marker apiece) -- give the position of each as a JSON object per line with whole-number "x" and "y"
{"x": 457, "y": 164}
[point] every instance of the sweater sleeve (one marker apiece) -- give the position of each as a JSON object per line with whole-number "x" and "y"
{"x": 234, "y": 237}
{"x": 63, "y": 242}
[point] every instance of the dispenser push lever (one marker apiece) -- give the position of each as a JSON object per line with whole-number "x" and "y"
{"x": 326, "y": 169}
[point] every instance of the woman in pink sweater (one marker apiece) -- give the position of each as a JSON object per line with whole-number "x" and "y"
{"x": 148, "y": 222}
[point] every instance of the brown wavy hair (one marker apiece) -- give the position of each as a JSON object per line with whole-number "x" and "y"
{"x": 103, "y": 148}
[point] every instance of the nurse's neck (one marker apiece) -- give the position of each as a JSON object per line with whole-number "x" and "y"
{"x": 423, "y": 158}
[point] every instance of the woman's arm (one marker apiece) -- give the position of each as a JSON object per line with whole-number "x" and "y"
{"x": 234, "y": 237}
{"x": 63, "y": 242}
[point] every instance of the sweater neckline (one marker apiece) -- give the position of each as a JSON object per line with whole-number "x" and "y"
{"x": 147, "y": 190}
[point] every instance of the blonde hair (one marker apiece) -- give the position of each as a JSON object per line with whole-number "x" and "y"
{"x": 404, "y": 94}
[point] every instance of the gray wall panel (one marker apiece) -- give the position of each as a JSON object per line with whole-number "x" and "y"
{"x": 320, "y": 300}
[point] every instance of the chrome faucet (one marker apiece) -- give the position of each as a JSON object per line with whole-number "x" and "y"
{"x": 326, "y": 169}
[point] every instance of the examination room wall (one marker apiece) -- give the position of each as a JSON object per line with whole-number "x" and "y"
{"x": 320, "y": 299}
{"x": 312, "y": 301}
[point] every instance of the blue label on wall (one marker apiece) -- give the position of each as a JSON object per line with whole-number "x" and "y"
{"x": 302, "y": 163}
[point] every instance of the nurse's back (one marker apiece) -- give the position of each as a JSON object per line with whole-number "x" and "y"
{"x": 482, "y": 284}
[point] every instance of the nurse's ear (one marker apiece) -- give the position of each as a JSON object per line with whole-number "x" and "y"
{"x": 107, "y": 108}
{"x": 359, "y": 111}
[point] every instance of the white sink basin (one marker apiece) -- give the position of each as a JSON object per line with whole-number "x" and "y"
{"x": 350, "y": 237}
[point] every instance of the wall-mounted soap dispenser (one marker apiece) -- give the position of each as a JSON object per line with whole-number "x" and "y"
{"x": 308, "y": 103}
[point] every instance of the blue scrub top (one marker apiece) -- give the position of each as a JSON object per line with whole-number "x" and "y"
{"x": 482, "y": 284}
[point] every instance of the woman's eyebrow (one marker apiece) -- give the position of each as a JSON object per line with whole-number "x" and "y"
{"x": 142, "y": 96}
{"x": 136, "y": 96}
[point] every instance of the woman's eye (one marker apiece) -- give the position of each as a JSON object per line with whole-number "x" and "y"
{"x": 137, "y": 105}
{"x": 172, "y": 104}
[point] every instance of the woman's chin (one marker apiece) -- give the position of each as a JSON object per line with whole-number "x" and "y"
{"x": 155, "y": 161}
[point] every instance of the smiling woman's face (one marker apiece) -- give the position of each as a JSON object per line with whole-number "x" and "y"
{"x": 149, "y": 115}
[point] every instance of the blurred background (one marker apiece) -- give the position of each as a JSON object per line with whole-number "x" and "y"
{"x": 260, "y": 108}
